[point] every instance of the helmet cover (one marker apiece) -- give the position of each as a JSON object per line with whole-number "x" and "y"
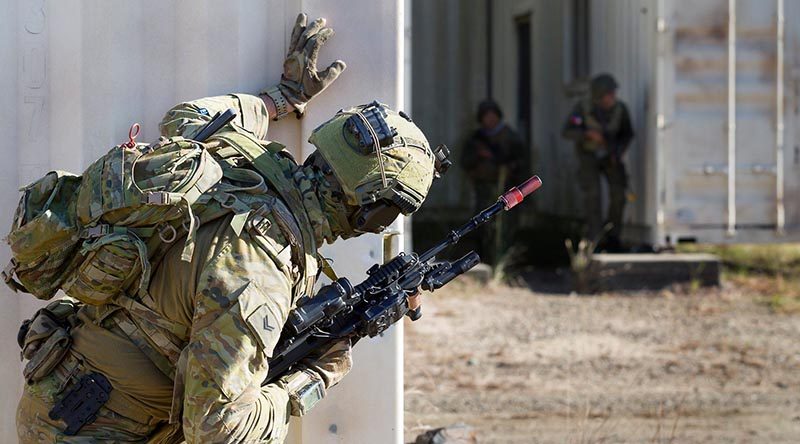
{"x": 401, "y": 173}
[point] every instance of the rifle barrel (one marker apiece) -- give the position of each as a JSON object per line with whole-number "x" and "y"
{"x": 508, "y": 200}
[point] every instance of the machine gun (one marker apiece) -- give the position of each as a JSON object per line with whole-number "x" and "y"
{"x": 341, "y": 310}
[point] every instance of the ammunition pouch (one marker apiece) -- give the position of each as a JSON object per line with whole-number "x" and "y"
{"x": 45, "y": 340}
{"x": 112, "y": 262}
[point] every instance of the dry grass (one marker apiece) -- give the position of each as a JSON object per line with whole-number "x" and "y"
{"x": 680, "y": 365}
{"x": 765, "y": 259}
{"x": 769, "y": 272}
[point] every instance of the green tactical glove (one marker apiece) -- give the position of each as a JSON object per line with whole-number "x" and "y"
{"x": 308, "y": 384}
{"x": 301, "y": 81}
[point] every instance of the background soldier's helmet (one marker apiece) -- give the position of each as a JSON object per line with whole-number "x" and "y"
{"x": 380, "y": 186}
{"x": 603, "y": 84}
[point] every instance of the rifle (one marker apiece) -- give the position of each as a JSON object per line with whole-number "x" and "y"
{"x": 341, "y": 310}
{"x": 216, "y": 123}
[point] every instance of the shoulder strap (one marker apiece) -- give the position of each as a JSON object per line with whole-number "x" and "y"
{"x": 265, "y": 162}
{"x": 165, "y": 357}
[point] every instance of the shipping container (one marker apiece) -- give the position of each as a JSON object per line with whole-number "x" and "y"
{"x": 713, "y": 89}
{"x": 726, "y": 125}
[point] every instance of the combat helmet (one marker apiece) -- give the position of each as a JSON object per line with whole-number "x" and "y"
{"x": 381, "y": 160}
{"x": 603, "y": 84}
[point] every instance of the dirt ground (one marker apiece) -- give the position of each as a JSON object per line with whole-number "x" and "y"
{"x": 683, "y": 366}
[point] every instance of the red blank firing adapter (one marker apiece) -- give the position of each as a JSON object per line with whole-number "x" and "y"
{"x": 516, "y": 194}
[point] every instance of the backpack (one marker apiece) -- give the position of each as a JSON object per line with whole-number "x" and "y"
{"x": 97, "y": 234}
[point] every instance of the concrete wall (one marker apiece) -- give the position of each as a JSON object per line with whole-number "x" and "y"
{"x": 76, "y": 74}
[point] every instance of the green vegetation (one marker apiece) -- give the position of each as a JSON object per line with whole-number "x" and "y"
{"x": 768, "y": 259}
{"x": 781, "y": 303}
{"x": 770, "y": 271}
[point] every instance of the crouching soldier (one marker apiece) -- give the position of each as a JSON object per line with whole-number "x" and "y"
{"x": 184, "y": 259}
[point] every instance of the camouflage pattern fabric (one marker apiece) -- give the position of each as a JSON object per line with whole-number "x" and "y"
{"x": 233, "y": 298}
{"x": 331, "y": 364}
{"x": 596, "y": 160}
{"x": 301, "y": 80}
{"x": 493, "y": 161}
{"x": 89, "y": 235}
{"x": 45, "y": 340}
{"x": 34, "y": 425}
{"x": 240, "y": 299}
{"x": 585, "y": 116}
{"x": 484, "y": 154}
{"x": 405, "y": 167}
{"x": 187, "y": 118}
{"x": 590, "y": 171}
{"x": 215, "y": 319}
{"x": 44, "y": 235}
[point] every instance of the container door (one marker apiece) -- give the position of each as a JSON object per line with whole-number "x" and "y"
{"x": 720, "y": 156}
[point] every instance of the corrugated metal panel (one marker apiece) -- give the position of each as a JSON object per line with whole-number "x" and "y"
{"x": 622, "y": 44}
{"x": 699, "y": 149}
{"x": 792, "y": 115}
{"x": 448, "y": 81}
{"x": 76, "y": 74}
{"x": 555, "y": 157}
{"x": 552, "y": 156}
{"x": 444, "y": 101}
{"x": 671, "y": 60}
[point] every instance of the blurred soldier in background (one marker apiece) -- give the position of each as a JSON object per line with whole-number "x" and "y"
{"x": 491, "y": 158}
{"x": 601, "y": 128}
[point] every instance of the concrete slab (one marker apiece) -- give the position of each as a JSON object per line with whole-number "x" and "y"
{"x": 610, "y": 272}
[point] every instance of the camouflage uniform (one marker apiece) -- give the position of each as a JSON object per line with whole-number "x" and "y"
{"x": 232, "y": 299}
{"x": 492, "y": 160}
{"x": 229, "y": 303}
{"x": 186, "y": 354}
{"x": 597, "y": 160}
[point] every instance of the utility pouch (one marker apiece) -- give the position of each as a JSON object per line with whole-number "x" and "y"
{"x": 44, "y": 235}
{"x": 112, "y": 263}
{"x": 81, "y": 404}
{"x": 47, "y": 356}
{"x": 44, "y": 339}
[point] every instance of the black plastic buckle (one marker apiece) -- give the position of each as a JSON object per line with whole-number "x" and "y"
{"x": 80, "y": 406}
{"x": 442, "y": 160}
{"x": 376, "y": 117}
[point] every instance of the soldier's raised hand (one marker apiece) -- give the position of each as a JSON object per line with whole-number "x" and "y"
{"x": 301, "y": 80}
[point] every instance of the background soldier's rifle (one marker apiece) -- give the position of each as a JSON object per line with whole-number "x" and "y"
{"x": 341, "y": 310}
